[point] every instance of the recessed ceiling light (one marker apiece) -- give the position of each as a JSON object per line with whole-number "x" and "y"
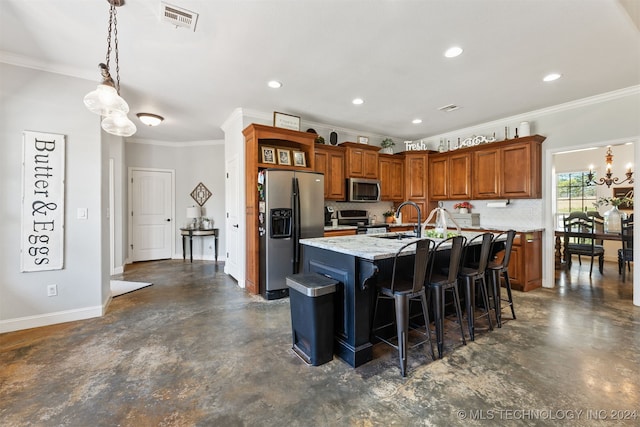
{"x": 150, "y": 119}
{"x": 416, "y": 121}
{"x": 358, "y": 101}
{"x": 551, "y": 77}
{"x": 274, "y": 84}
{"x": 452, "y": 52}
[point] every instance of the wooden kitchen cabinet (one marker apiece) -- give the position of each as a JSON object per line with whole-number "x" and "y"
{"x": 336, "y": 233}
{"x": 330, "y": 160}
{"x": 415, "y": 184}
{"x": 450, "y": 176}
{"x": 361, "y": 160}
{"x": 391, "y": 175}
{"x": 509, "y": 169}
{"x": 525, "y": 265}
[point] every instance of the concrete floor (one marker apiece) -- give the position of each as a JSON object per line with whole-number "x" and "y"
{"x": 194, "y": 349}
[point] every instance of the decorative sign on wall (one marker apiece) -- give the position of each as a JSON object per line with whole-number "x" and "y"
{"x": 414, "y": 146}
{"x": 201, "y": 194}
{"x": 42, "y": 237}
{"x": 286, "y": 121}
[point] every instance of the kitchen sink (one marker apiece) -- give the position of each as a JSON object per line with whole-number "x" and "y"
{"x": 394, "y": 236}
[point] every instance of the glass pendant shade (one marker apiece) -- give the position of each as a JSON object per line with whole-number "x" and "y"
{"x": 105, "y": 100}
{"x": 118, "y": 124}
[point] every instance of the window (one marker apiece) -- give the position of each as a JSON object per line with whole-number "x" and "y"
{"x": 572, "y": 194}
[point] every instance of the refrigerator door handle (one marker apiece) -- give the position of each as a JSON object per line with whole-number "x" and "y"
{"x": 295, "y": 205}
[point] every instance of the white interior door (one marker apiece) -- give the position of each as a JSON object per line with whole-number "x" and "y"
{"x": 151, "y": 214}
{"x": 233, "y": 260}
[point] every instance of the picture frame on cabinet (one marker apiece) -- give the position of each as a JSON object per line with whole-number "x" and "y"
{"x": 269, "y": 155}
{"x": 286, "y": 121}
{"x": 363, "y": 139}
{"x": 621, "y": 192}
{"x": 299, "y": 159}
{"x": 284, "y": 157}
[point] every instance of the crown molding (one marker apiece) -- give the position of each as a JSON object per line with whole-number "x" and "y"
{"x": 554, "y": 109}
{"x": 51, "y": 67}
{"x": 212, "y": 142}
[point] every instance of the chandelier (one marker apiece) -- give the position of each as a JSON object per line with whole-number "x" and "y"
{"x": 106, "y": 100}
{"x": 607, "y": 177}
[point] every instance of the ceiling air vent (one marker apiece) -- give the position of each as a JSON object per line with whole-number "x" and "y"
{"x": 448, "y": 108}
{"x": 178, "y": 16}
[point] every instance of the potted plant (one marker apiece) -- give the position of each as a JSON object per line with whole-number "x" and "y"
{"x": 389, "y": 217}
{"x": 387, "y": 145}
{"x": 463, "y": 207}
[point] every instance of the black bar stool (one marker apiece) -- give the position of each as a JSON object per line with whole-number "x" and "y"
{"x": 471, "y": 274}
{"x": 498, "y": 269}
{"x": 403, "y": 288}
{"x": 439, "y": 283}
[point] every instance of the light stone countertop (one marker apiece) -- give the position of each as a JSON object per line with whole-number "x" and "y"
{"x": 369, "y": 246}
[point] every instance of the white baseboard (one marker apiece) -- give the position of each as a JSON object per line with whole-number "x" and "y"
{"x": 47, "y": 319}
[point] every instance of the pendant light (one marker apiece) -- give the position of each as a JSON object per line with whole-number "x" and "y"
{"x": 106, "y": 100}
{"x": 607, "y": 179}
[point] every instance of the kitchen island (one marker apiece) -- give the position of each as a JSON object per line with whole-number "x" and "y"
{"x": 356, "y": 262}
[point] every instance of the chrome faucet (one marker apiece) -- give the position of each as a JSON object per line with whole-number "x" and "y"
{"x": 418, "y": 229}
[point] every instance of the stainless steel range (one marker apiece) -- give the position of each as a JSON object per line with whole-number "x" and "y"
{"x": 360, "y": 218}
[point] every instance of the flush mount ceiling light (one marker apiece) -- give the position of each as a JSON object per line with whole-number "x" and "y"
{"x": 358, "y": 101}
{"x": 274, "y": 84}
{"x": 150, "y": 119}
{"x": 452, "y": 52}
{"x": 416, "y": 121}
{"x": 106, "y": 100}
{"x": 551, "y": 77}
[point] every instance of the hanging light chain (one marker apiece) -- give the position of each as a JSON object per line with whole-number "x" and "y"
{"x": 113, "y": 29}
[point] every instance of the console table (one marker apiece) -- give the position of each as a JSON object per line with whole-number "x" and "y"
{"x": 190, "y": 232}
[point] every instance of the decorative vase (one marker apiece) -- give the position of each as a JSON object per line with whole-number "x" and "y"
{"x": 612, "y": 219}
{"x": 463, "y": 210}
{"x": 387, "y": 150}
{"x": 389, "y": 219}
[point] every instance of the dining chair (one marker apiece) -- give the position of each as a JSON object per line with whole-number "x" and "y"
{"x": 472, "y": 274}
{"x": 443, "y": 280}
{"x": 625, "y": 255}
{"x": 498, "y": 268}
{"x": 577, "y": 228}
{"x": 407, "y": 284}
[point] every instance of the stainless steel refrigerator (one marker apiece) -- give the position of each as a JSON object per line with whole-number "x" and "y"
{"x": 291, "y": 208}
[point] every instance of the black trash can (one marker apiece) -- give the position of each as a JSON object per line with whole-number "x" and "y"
{"x": 311, "y": 299}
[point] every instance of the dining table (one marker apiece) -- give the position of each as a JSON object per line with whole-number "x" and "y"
{"x": 560, "y": 247}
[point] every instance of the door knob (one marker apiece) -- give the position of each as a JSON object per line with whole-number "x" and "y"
{"x": 235, "y": 225}
{"x": 168, "y": 219}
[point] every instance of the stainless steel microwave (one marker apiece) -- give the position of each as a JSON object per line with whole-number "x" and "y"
{"x": 363, "y": 190}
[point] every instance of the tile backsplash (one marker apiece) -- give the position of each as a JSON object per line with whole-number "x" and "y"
{"x": 519, "y": 213}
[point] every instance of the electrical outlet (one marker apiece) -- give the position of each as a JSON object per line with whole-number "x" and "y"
{"x": 52, "y": 290}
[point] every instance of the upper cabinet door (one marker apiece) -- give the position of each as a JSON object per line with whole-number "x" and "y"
{"x": 329, "y": 160}
{"x": 361, "y": 160}
{"x": 517, "y": 180}
{"x": 438, "y": 177}
{"x": 486, "y": 182}
{"x": 459, "y": 182}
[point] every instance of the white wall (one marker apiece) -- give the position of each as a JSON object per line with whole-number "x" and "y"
{"x": 40, "y": 101}
{"x": 192, "y": 163}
